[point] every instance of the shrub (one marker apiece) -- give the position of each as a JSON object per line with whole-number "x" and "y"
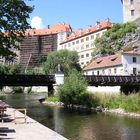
{"x": 88, "y": 99}
{"x": 74, "y": 86}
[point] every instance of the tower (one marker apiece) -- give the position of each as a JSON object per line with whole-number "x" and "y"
{"x": 131, "y": 10}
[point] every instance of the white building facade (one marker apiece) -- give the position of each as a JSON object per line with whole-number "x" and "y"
{"x": 126, "y": 63}
{"x": 131, "y": 63}
{"x": 82, "y": 41}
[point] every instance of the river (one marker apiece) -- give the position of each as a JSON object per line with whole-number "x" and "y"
{"x": 77, "y": 125}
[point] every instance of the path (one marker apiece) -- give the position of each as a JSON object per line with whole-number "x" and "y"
{"x": 32, "y": 130}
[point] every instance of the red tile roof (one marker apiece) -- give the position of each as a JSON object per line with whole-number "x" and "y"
{"x": 106, "y": 61}
{"x": 79, "y": 33}
{"x": 52, "y": 29}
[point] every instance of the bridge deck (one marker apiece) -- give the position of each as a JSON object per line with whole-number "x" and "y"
{"x": 47, "y": 80}
{"x": 26, "y": 80}
{"x": 104, "y": 80}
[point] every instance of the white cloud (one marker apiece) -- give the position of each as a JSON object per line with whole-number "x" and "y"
{"x": 36, "y": 22}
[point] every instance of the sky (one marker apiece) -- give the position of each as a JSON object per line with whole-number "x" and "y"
{"x": 78, "y": 13}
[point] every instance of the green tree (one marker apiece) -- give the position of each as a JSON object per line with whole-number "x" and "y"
{"x": 13, "y": 23}
{"x": 72, "y": 89}
{"x": 68, "y": 60}
{"x": 11, "y": 69}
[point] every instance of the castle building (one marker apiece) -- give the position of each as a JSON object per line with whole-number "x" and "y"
{"x": 39, "y": 42}
{"x": 82, "y": 41}
{"x": 131, "y": 10}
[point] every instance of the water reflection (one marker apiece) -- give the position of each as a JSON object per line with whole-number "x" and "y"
{"x": 76, "y": 125}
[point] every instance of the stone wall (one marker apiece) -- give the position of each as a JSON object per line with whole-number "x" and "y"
{"x": 33, "y": 49}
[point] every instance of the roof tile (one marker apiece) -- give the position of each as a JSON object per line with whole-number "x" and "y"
{"x": 106, "y": 61}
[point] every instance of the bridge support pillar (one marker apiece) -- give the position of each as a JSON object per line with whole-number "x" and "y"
{"x": 59, "y": 78}
{"x": 50, "y": 90}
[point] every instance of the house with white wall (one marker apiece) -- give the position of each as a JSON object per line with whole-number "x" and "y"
{"x": 125, "y": 63}
{"x": 82, "y": 41}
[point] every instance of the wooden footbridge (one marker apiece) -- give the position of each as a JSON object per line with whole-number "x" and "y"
{"x": 26, "y": 80}
{"x": 47, "y": 80}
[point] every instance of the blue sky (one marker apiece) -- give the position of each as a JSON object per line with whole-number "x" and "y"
{"x": 78, "y": 13}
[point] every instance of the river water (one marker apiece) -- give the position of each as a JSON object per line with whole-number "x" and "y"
{"x": 76, "y": 125}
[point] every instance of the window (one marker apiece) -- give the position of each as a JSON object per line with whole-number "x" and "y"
{"x": 134, "y": 59}
{"x": 69, "y": 44}
{"x": 98, "y": 72}
{"x": 131, "y": 2}
{"x": 82, "y": 56}
{"x": 87, "y": 46}
{"x": 77, "y": 42}
{"x": 82, "y": 40}
{"x": 92, "y": 37}
{"x": 82, "y": 63}
{"x": 132, "y": 12}
{"x": 73, "y": 43}
{"x": 87, "y": 55}
{"x": 92, "y": 72}
{"x": 115, "y": 71}
{"x": 87, "y": 38}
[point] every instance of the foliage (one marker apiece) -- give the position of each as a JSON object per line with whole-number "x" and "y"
{"x": 88, "y": 99}
{"x": 111, "y": 41}
{"x": 130, "y": 103}
{"x": 68, "y": 60}
{"x": 13, "y": 23}
{"x": 73, "y": 91}
{"x": 35, "y": 71}
{"x": 53, "y": 99}
{"x": 10, "y": 69}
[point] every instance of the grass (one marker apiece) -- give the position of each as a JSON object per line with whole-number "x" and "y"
{"x": 53, "y": 99}
{"x": 130, "y": 103}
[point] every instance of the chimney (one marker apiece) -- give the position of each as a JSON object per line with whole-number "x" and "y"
{"x": 48, "y": 26}
{"x": 107, "y": 20}
{"x": 97, "y": 22}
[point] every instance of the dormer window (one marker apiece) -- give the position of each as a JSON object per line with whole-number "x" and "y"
{"x": 113, "y": 59}
{"x": 98, "y": 62}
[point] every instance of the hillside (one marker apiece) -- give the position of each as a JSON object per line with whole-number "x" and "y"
{"x": 119, "y": 37}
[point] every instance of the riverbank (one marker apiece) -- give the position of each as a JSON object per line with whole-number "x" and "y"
{"x": 108, "y": 103}
{"x": 25, "y": 131}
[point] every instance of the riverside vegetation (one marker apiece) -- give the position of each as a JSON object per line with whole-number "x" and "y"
{"x": 73, "y": 92}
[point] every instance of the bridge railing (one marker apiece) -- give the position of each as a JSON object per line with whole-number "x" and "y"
{"x": 112, "y": 80}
